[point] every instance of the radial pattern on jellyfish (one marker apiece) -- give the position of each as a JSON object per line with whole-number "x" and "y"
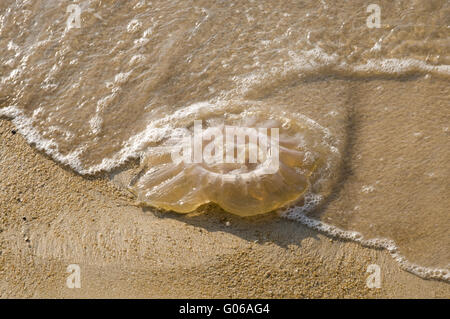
{"x": 244, "y": 156}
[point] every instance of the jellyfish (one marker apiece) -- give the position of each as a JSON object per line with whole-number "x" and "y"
{"x": 243, "y": 156}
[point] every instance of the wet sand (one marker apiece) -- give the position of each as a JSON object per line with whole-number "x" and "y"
{"x": 51, "y": 217}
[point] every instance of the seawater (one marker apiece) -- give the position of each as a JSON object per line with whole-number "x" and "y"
{"x": 369, "y": 105}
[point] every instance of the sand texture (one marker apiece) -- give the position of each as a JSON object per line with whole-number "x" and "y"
{"x": 51, "y": 217}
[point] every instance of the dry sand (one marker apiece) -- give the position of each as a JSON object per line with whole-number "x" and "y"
{"x": 50, "y": 218}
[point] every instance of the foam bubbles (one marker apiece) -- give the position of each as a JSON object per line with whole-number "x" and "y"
{"x": 298, "y": 214}
{"x": 241, "y": 188}
{"x": 134, "y": 26}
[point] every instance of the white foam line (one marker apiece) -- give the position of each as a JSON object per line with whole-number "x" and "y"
{"x": 392, "y": 66}
{"x": 133, "y": 148}
{"x": 298, "y": 214}
{"x": 24, "y": 125}
{"x": 316, "y": 59}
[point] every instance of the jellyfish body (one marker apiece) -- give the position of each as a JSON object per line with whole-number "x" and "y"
{"x": 246, "y": 158}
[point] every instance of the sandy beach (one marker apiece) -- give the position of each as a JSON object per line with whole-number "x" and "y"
{"x": 252, "y": 120}
{"x": 52, "y": 217}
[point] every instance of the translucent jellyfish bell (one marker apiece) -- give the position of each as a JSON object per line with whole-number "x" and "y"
{"x": 248, "y": 160}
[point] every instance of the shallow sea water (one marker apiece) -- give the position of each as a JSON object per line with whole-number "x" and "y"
{"x": 372, "y": 103}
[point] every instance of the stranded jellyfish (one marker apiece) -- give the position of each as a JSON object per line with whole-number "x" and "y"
{"x": 243, "y": 156}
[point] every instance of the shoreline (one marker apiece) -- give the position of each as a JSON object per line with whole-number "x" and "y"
{"x": 54, "y": 217}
